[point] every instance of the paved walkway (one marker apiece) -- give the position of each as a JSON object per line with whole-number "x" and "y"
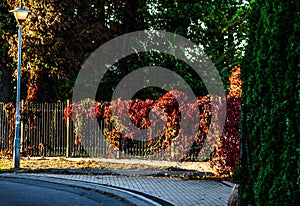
{"x": 172, "y": 190}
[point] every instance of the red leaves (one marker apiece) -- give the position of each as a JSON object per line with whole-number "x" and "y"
{"x": 162, "y": 119}
{"x": 139, "y": 112}
{"x": 227, "y": 151}
{"x": 149, "y": 114}
{"x": 68, "y": 112}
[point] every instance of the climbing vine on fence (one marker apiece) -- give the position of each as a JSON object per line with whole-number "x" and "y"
{"x": 149, "y": 114}
{"x": 226, "y": 154}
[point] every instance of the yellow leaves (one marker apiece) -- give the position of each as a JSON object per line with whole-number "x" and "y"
{"x": 235, "y": 82}
{"x": 82, "y": 164}
{"x": 49, "y": 163}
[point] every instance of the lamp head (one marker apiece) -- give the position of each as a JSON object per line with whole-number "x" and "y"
{"x": 20, "y": 14}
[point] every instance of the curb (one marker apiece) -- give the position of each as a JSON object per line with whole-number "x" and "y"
{"x": 131, "y": 197}
{"x": 129, "y": 173}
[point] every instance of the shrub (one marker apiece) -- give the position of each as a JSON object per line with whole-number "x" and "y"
{"x": 170, "y": 136}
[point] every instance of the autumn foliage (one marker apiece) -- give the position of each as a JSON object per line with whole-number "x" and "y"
{"x": 226, "y": 155}
{"x": 162, "y": 120}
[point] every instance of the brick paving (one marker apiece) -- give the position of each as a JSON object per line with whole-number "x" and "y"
{"x": 173, "y": 190}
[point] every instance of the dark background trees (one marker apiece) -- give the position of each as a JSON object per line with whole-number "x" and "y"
{"x": 59, "y": 35}
{"x": 270, "y": 164}
{"x": 7, "y": 25}
{"x": 219, "y": 26}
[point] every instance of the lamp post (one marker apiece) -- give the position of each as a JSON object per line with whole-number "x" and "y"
{"x": 20, "y": 15}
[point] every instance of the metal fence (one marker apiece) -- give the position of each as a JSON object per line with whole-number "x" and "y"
{"x": 45, "y": 132}
{"x": 4, "y": 129}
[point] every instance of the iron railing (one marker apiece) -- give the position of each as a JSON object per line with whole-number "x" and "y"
{"x": 45, "y": 132}
{"x": 4, "y": 129}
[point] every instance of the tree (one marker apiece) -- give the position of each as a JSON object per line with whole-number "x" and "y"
{"x": 7, "y": 24}
{"x": 60, "y": 35}
{"x": 219, "y": 26}
{"x": 128, "y": 17}
{"x": 270, "y": 164}
{"x": 57, "y": 37}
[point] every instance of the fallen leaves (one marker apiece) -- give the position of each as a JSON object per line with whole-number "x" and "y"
{"x": 62, "y": 163}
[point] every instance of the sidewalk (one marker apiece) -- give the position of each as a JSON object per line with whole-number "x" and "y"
{"x": 172, "y": 190}
{"x": 149, "y": 183}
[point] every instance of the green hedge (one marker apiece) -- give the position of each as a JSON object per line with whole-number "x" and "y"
{"x": 270, "y": 131}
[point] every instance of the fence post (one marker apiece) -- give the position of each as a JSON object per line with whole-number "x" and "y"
{"x": 68, "y": 133}
{"x": 22, "y": 126}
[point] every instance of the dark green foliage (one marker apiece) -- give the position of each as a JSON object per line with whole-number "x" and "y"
{"x": 269, "y": 172}
{"x": 58, "y": 36}
{"x": 219, "y": 26}
{"x": 7, "y": 24}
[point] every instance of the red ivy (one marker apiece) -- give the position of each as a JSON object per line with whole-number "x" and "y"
{"x": 226, "y": 155}
{"x": 166, "y": 109}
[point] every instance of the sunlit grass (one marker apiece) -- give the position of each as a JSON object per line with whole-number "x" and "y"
{"x": 38, "y": 164}
{"x": 7, "y": 164}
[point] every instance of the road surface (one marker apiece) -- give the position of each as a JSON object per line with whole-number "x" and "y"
{"x": 26, "y": 192}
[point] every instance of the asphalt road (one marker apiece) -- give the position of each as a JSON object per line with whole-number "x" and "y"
{"x": 26, "y": 192}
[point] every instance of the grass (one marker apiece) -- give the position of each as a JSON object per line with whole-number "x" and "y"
{"x": 45, "y": 165}
{"x": 61, "y": 163}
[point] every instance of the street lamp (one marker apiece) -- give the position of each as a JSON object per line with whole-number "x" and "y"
{"x": 20, "y": 15}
